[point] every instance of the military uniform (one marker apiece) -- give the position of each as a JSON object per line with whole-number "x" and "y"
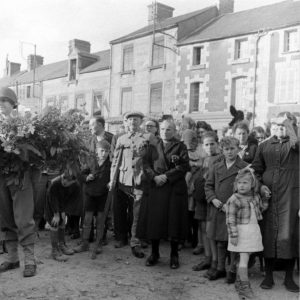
{"x": 17, "y": 209}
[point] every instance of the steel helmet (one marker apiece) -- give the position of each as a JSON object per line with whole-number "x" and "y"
{"x": 8, "y": 93}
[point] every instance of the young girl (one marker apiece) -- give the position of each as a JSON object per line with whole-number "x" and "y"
{"x": 211, "y": 148}
{"x": 189, "y": 138}
{"x": 243, "y": 210}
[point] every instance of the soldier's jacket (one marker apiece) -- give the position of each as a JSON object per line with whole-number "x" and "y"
{"x": 130, "y": 170}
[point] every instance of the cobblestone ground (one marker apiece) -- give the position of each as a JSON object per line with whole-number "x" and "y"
{"x": 116, "y": 274}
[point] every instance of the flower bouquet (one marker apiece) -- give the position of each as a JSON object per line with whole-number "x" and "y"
{"x": 49, "y": 141}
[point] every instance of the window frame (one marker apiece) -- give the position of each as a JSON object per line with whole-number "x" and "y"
{"x": 195, "y": 49}
{"x": 155, "y": 86}
{"x": 200, "y": 97}
{"x": 124, "y": 89}
{"x": 286, "y": 47}
{"x": 156, "y": 48}
{"x": 126, "y": 48}
{"x": 237, "y": 49}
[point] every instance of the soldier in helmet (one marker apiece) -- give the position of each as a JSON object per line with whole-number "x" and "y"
{"x": 16, "y": 206}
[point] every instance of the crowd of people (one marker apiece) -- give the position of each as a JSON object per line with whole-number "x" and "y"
{"x": 173, "y": 181}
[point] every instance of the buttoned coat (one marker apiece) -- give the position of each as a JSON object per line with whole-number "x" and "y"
{"x": 219, "y": 185}
{"x": 166, "y": 209}
{"x": 277, "y": 164}
{"x": 130, "y": 170}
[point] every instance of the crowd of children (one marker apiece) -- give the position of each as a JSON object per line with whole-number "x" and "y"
{"x": 183, "y": 185}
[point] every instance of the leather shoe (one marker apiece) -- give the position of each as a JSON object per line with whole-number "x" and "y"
{"x": 217, "y": 274}
{"x": 267, "y": 284}
{"x": 204, "y": 265}
{"x": 137, "y": 252}
{"x": 29, "y": 270}
{"x": 291, "y": 286}
{"x": 6, "y": 266}
{"x": 152, "y": 260}
{"x": 231, "y": 277}
{"x": 174, "y": 262}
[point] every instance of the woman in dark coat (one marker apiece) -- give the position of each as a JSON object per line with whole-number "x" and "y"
{"x": 166, "y": 215}
{"x": 277, "y": 163}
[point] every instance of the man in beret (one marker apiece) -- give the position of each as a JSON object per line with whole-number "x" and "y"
{"x": 129, "y": 177}
{"x": 16, "y": 206}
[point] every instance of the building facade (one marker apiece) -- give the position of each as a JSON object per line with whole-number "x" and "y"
{"x": 81, "y": 81}
{"x": 143, "y": 73}
{"x": 254, "y": 65}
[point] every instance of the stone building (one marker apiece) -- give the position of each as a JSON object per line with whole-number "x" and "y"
{"x": 81, "y": 81}
{"x": 143, "y": 72}
{"x": 250, "y": 59}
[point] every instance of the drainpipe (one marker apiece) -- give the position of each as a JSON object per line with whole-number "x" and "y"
{"x": 260, "y": 34}
{"x": 110, "y": 76}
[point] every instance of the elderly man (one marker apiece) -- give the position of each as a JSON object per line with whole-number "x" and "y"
{"x": 129, "y": 177}
{"x": 16, "y": 206}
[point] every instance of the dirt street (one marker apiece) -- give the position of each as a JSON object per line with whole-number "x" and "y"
{"x": 116, "y": 274}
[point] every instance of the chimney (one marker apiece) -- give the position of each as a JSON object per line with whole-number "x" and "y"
{"x": 226, "y": 7}
{"x": 39, "y": 61}
{"x": 11, "y": 68}
{"x": 79, "y": 46}
{"x": 161, "y": 11}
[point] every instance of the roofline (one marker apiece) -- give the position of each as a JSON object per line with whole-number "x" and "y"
{"x": 140, "y": 35}
{"x": 120, "y": 40}
{"x": 236, "y": 35}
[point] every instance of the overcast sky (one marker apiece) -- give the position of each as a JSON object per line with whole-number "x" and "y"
{"x": 50, "y": 24}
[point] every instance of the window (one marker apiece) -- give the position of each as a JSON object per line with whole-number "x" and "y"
{"x": 98, "y": 102}
{"x": 196, "y": 96}
{"x": 239, "y": 93}
{"x": 80, "y": 102}
{"x": 197, "y": 55}
{"x": 158, "y": 52}
{"x": 72, "y": 74}
{"x": 241, "y": 49}
{"x": 28, "y": 91}
{"x": 156, "y": 98}
{"x": 128, "y": 58}
{"x": 287, "y": 87}
{"x": 126, "y": 100}
{"x": 64, "y": 103}
{"x": 291, "y": 40}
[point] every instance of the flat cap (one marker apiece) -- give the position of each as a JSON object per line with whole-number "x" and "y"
{"x": 134, "y": 113}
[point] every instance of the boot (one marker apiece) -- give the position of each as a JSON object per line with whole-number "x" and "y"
{"x": 13, "y": 257}
{"x": 203, "y": 265}
{"x": 84, "y": 246}
{"x": 289, "y": 282}
{"x": 29, "y": 260}
{"x": 245, "y": 290}
{"x": 55, "y": 253}
{"x": 268, "y": 282}
{"x": 62, "y": 244}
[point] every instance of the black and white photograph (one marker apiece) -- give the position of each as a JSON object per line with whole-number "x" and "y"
{"x": 149, "y": 149}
